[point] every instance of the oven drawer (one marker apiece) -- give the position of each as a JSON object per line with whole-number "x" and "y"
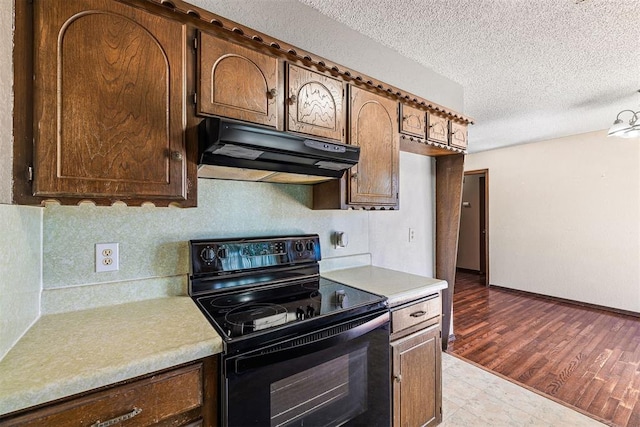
{"x": 424, "y": 313}
{"x": 139, "y": 403}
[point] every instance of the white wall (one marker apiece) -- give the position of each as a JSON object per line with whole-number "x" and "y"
{"x": 389, "y": 231}
{"x": 564, "y": 218}
{"x": 469, "y": 242}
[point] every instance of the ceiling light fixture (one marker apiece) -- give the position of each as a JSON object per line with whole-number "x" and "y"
{"x": 630, "y": 129}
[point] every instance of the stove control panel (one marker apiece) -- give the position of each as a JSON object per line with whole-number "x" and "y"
{"x": 223, "y": 256}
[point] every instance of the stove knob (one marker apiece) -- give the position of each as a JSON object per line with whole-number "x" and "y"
{"x": 311, "y": 312}
{"x": 208, "y": 254}
{"x": 299, "y": 313}
{"x": 299, "y": 246}
{"x": 310, "y": 245}
{"x": 222, "y": 252}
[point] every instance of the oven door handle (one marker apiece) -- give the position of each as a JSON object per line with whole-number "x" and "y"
{"x": 305, "y": 344}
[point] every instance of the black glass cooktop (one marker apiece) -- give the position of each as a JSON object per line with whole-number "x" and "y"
{"x": 254, "y": 311}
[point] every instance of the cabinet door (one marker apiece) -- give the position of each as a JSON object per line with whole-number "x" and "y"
{"x": 413, "y": 121}
{"x": 109, "y": 102}
{"x": 373, "y": 126}
{"x": 417, "y": 395}
{"x": 437, "y": 129}
{"x": 314, "y": 104}
{"x": 458, "y": 135}
{"x": 237, "y": 82}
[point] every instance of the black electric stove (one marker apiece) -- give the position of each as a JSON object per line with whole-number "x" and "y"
{"x": 258, "y": 291}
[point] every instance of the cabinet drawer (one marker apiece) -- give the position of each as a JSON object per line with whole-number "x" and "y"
{"x": 140, "y": 403}
{"x": 414, "y": 314}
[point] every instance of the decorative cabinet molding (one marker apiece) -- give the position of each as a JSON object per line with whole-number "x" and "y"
{"x": 237, "y": 82}
{"x": 110, "y": 115}
{"x": 315, "y": 103}
{"x": 373, "y": 126}
{"x": 458, "y": 135}
{"x": 109, "y": 106}
{"x": 413, "y": 121}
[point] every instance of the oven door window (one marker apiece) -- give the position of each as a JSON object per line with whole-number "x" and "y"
{"x": 344, "y": 384}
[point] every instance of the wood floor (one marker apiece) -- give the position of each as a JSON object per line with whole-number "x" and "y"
{"x": 585, "y": 357}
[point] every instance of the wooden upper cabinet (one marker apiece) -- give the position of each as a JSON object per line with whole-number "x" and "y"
{"x": 109, "y": 103}
{"x": 315, "y": 103}
{"x": 373, "y": 125}
{"x": 237, "y": 82}
{"x": 459, "y": 135}
{"x": 437, "y": 128}
{"x": 413, "y": 121}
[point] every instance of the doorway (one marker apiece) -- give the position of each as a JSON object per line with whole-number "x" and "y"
{"x": 473, "y": 239}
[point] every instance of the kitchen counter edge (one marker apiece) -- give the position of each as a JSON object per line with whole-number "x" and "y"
{"x": 70, "y": 353}
{"x": 399, "y": 287}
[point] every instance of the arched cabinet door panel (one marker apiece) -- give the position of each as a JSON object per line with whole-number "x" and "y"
{"x": 109, "y": 108}
{"x": 373, "y": 126}
{"x": 237, "y": 82}
{"x": 314, "y": 103}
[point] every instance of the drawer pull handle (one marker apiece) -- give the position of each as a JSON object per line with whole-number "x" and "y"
{"x": 418, "y": 313}
{"x": 117, "y": 420}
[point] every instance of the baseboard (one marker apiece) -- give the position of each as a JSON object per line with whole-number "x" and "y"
{"x": 469, "y": 271}
{"x": 569, "y": 301}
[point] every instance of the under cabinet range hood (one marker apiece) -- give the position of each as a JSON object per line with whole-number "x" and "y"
{"x": 239, "y": 151}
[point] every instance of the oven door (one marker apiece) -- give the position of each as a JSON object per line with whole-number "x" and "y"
{"x": 335, "y": 376}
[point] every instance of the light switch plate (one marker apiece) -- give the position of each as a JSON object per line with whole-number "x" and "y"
{"x": 107, "y": 257}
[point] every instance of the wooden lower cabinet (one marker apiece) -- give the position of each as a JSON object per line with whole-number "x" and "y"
{"x": 416, "y": 364}
{"x": 183, "y": 396}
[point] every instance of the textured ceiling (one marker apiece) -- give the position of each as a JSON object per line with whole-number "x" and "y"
{"x": 531, "y": 70}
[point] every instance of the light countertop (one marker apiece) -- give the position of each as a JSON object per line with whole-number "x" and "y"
{"x": 397, "y": 286}
{"x": 68, "y": 353}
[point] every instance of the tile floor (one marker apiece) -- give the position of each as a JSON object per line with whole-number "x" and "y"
{"x": 473, "y": 397}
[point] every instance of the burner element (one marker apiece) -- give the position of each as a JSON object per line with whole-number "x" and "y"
{"x": 229, "y": 301}
{"x": 254, "y": 317}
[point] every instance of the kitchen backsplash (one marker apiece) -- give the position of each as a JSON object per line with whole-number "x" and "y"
{"x": 20, "y": 269}
{"x": 153, "y": 240}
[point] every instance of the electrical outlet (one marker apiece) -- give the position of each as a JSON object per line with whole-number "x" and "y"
{"x": 412, "y": 235}
{"x": 107, "y": 257}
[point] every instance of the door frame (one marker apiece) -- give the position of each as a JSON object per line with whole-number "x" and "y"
{"x": 485, "y": 226}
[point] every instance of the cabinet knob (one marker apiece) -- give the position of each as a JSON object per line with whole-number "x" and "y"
{"x": 273, "y": 93}
{"x": 354, "y": 175}
{"x": 398, "y": 378}
{"x": 293, "y": 99}
{"x": 176, "y": 155}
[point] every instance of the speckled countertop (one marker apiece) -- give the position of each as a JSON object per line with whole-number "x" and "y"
{"x": 68, "y": 353}
{"x": 397, "y": 286}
